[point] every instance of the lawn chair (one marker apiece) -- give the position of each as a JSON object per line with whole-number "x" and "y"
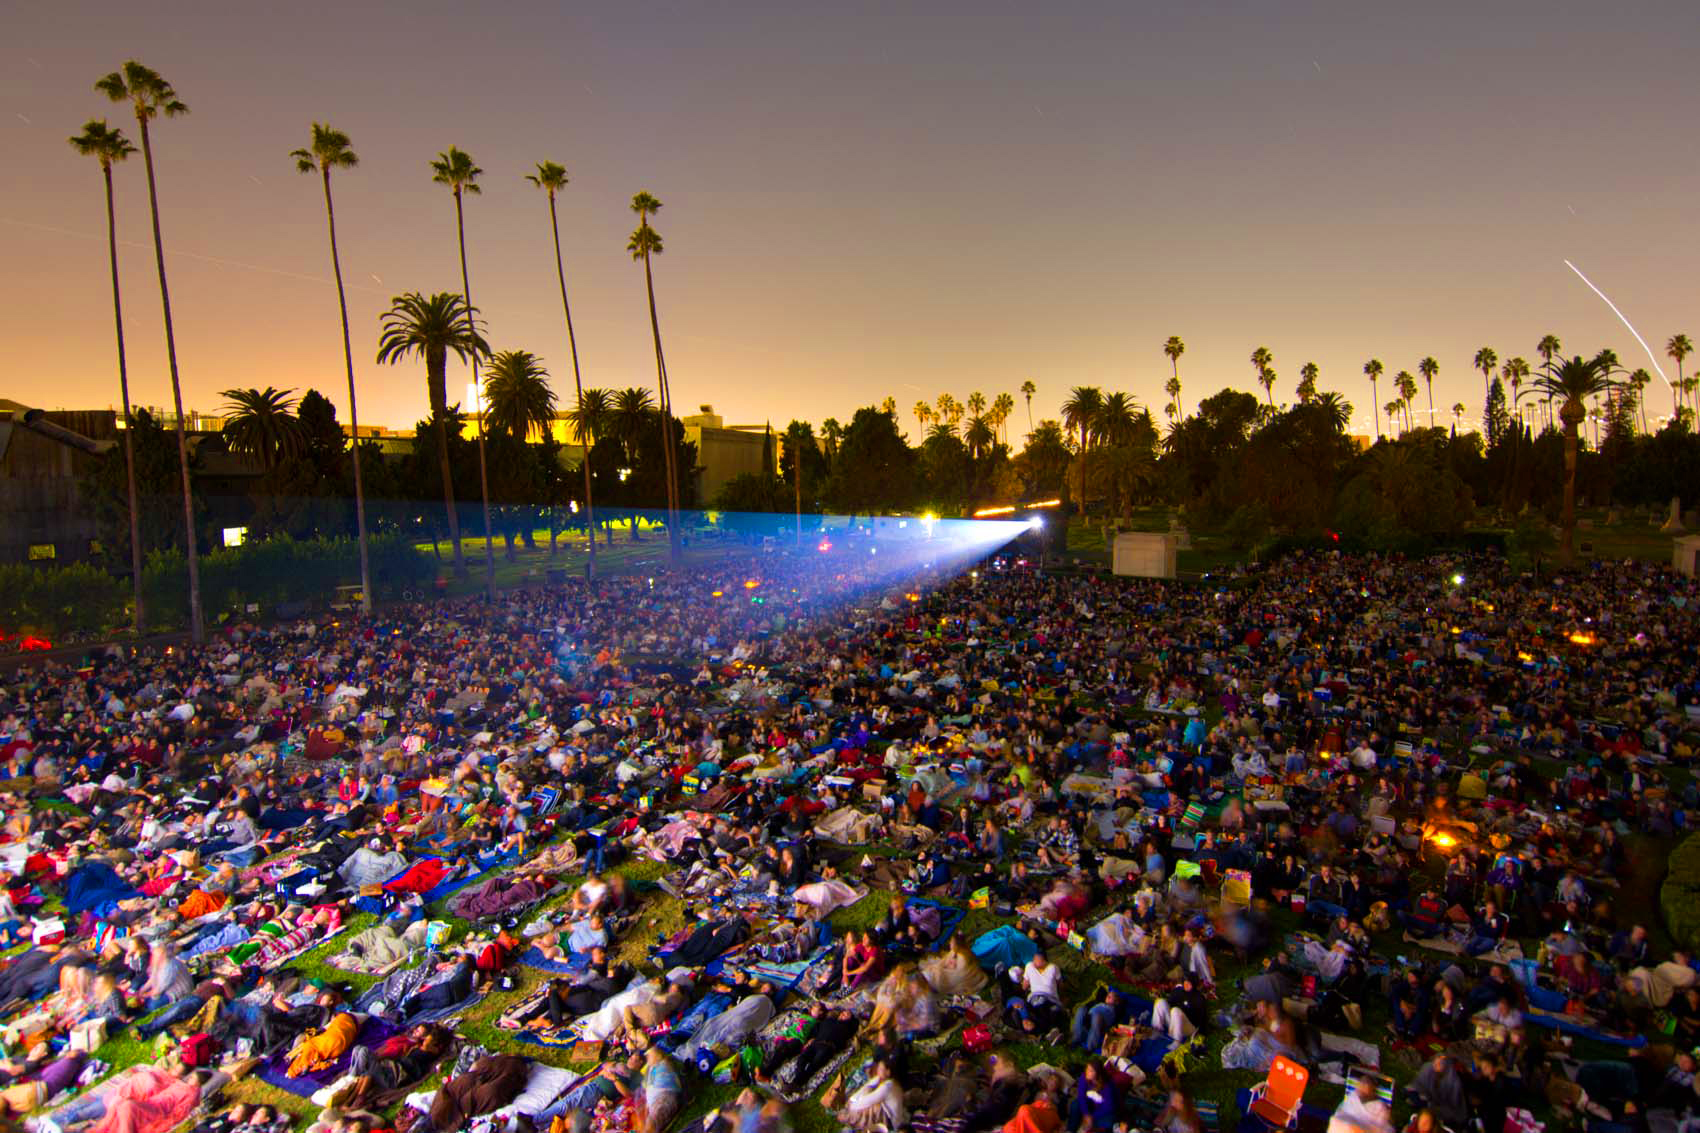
{"x": 1276, "y": 1102}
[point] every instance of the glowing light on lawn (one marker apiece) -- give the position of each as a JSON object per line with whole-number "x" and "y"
{"x": 988, "y": 512}
{"x": 1036, "y": 523}
{"x": 1583, "y": 639}
{"x": 1444, "y": 840}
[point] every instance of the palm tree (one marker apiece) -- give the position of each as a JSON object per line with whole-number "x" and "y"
{"x": 551, "y": 177}
{"x": 1428, "y": 368}
{"x": 889, "y": 407}
{"x": 330, "y": 149}
{"x": 1172, "y": 387}
{"x": 1640, "y": 380}
{"x": 1307, "y": 382}
{"x": 1392, "y": 408}
{"x": 1679, "y": 348}
{"x": 1457, "y": 416}
{"x": 976, "y": 404}
{"x": 1173, "y": 349}
{"x": 923, "y": 414}
{"x": 950, "y": 410}
{"x": 1261, "y": 360}
{"x": 1336, "y": 410}
{"x": 109, "y": 145}
{"x": 1266, "y": 378}
{"x": 432, "y": 328}
{"x": 1547, "y": 347}
{"x": 979, "y": 437}
{"x": 1571, "y": 384}
{"x": 590, "y": 417}
{"x": 1002, "y": 406}
{"x": 1113, "y": 424}
{"x": 261, "y": 423}
{"x": 1514, "y": 371}
{"x": 1407, "y": 394}
{"x": 1486, "y": 360}
{"x": 1028, "y": 389}
{"x": 1079, "y": 412}
{"x": 1372, "y": 371}
{"x": 456, "y": 169}
{"x": 517, "y": 389}
{"x": 644, "y": 244}
{"x": 151, "y": 96}
{"x": 630, "y": 415}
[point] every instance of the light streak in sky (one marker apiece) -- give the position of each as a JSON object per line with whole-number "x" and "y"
{"x": 1650, "y": 356}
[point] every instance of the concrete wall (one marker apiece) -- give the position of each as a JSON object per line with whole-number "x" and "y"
{"x": 1685, "y": 554}
{"x": 1143, "y": 554}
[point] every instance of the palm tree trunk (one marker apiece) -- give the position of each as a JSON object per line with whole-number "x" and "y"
{"x": 483, "y": 469}
{"x": 137, "y": 617}
{"x": 578, "y": 385}
{"x": 1375, "y": 408}
{"x": 353, "y": 408}
{"x": 1567, "y": 542}
{"x": 197, "y": 622}
{"x": 667, "y": 449}
{"x": 1430, "y": 384}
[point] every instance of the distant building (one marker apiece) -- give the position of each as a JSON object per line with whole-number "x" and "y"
{"x": 723, "y": 451}
{"x": 43, "y": 455}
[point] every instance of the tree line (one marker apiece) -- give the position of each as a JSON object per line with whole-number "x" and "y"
{"x": 427, "y": 328}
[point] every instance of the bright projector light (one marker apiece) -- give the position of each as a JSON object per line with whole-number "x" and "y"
{"x": 1037, "y": 523}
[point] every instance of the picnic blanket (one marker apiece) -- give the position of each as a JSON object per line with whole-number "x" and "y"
{"x": 533, "y": 958}
{"x": 274, "y": 1070}
{"x": 95, "y": 886}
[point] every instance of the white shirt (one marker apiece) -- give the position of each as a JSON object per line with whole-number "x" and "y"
{"x": 1042, "y": 983}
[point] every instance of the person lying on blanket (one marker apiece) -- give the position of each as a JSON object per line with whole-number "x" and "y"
{"x": 317, "y": 1049}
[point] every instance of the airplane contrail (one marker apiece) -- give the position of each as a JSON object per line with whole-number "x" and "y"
{"x": 1626, "y": 322}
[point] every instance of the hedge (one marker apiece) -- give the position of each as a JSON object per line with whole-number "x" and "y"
{"x": 1679, "y": 896}
{"x": 84, "y": 600}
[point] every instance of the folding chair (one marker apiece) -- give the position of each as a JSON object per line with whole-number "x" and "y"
{"x": 1276, "y": 1102}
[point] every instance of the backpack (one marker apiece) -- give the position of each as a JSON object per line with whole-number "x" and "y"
{"x": 198, "y": 1050}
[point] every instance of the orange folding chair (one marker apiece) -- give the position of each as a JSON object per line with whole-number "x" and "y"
{"x": 1276, "y": 1101}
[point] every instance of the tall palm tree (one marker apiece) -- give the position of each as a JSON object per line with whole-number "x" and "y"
{"x": 433, "y": 328}
{"x": 645, "y": 244}
{"x": 923, "y": 413}
{"x": 516, "y": 388}
{"x": 1571, "y": 384}
{"x": 330, "y": 149}
{"x": 1486, "y": 360}
{"x": 1679, "y": 348}
{"x": 1079, "y": 412}
{"x": 1172, "y": 387}
{"x": 950, "y": 410}
{"x": 1640, "y": 380}
{"x": 456, "y": 169}
{"x": 1028, "y": 389}
{"x": 108, "y": 145}
{"x": 151, "y": 96}
{"x": 1307, "y": 382}
{"x": 1547, "y": 347}
{"x": 551, "y": 177}
{"x": 1392, "y": 408}
{"x": 1457, "y": 415}
{"x": 1002, "y": 406}
{"x": 1266, "y": 378}
{"x": 1514, "y": 371}
{"x": 979, "y": 436}
{"x": 261, "y": 423}
{"x": 1261, "y": 360}
{"x": 1173, "y": 349}
{"x": 1428, "y": 368}
{"x": 1407, "y": 394}
{"x": 1373, "y": 371}
{"x": 976, "y": 404}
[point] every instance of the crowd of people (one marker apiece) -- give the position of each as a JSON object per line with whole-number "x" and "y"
{"x": 962, "y": 850}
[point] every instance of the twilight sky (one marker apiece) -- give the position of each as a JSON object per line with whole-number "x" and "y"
{"x": 864, "y": 199}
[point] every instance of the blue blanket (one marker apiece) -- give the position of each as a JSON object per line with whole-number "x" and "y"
{"x": 94, "y": 888}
